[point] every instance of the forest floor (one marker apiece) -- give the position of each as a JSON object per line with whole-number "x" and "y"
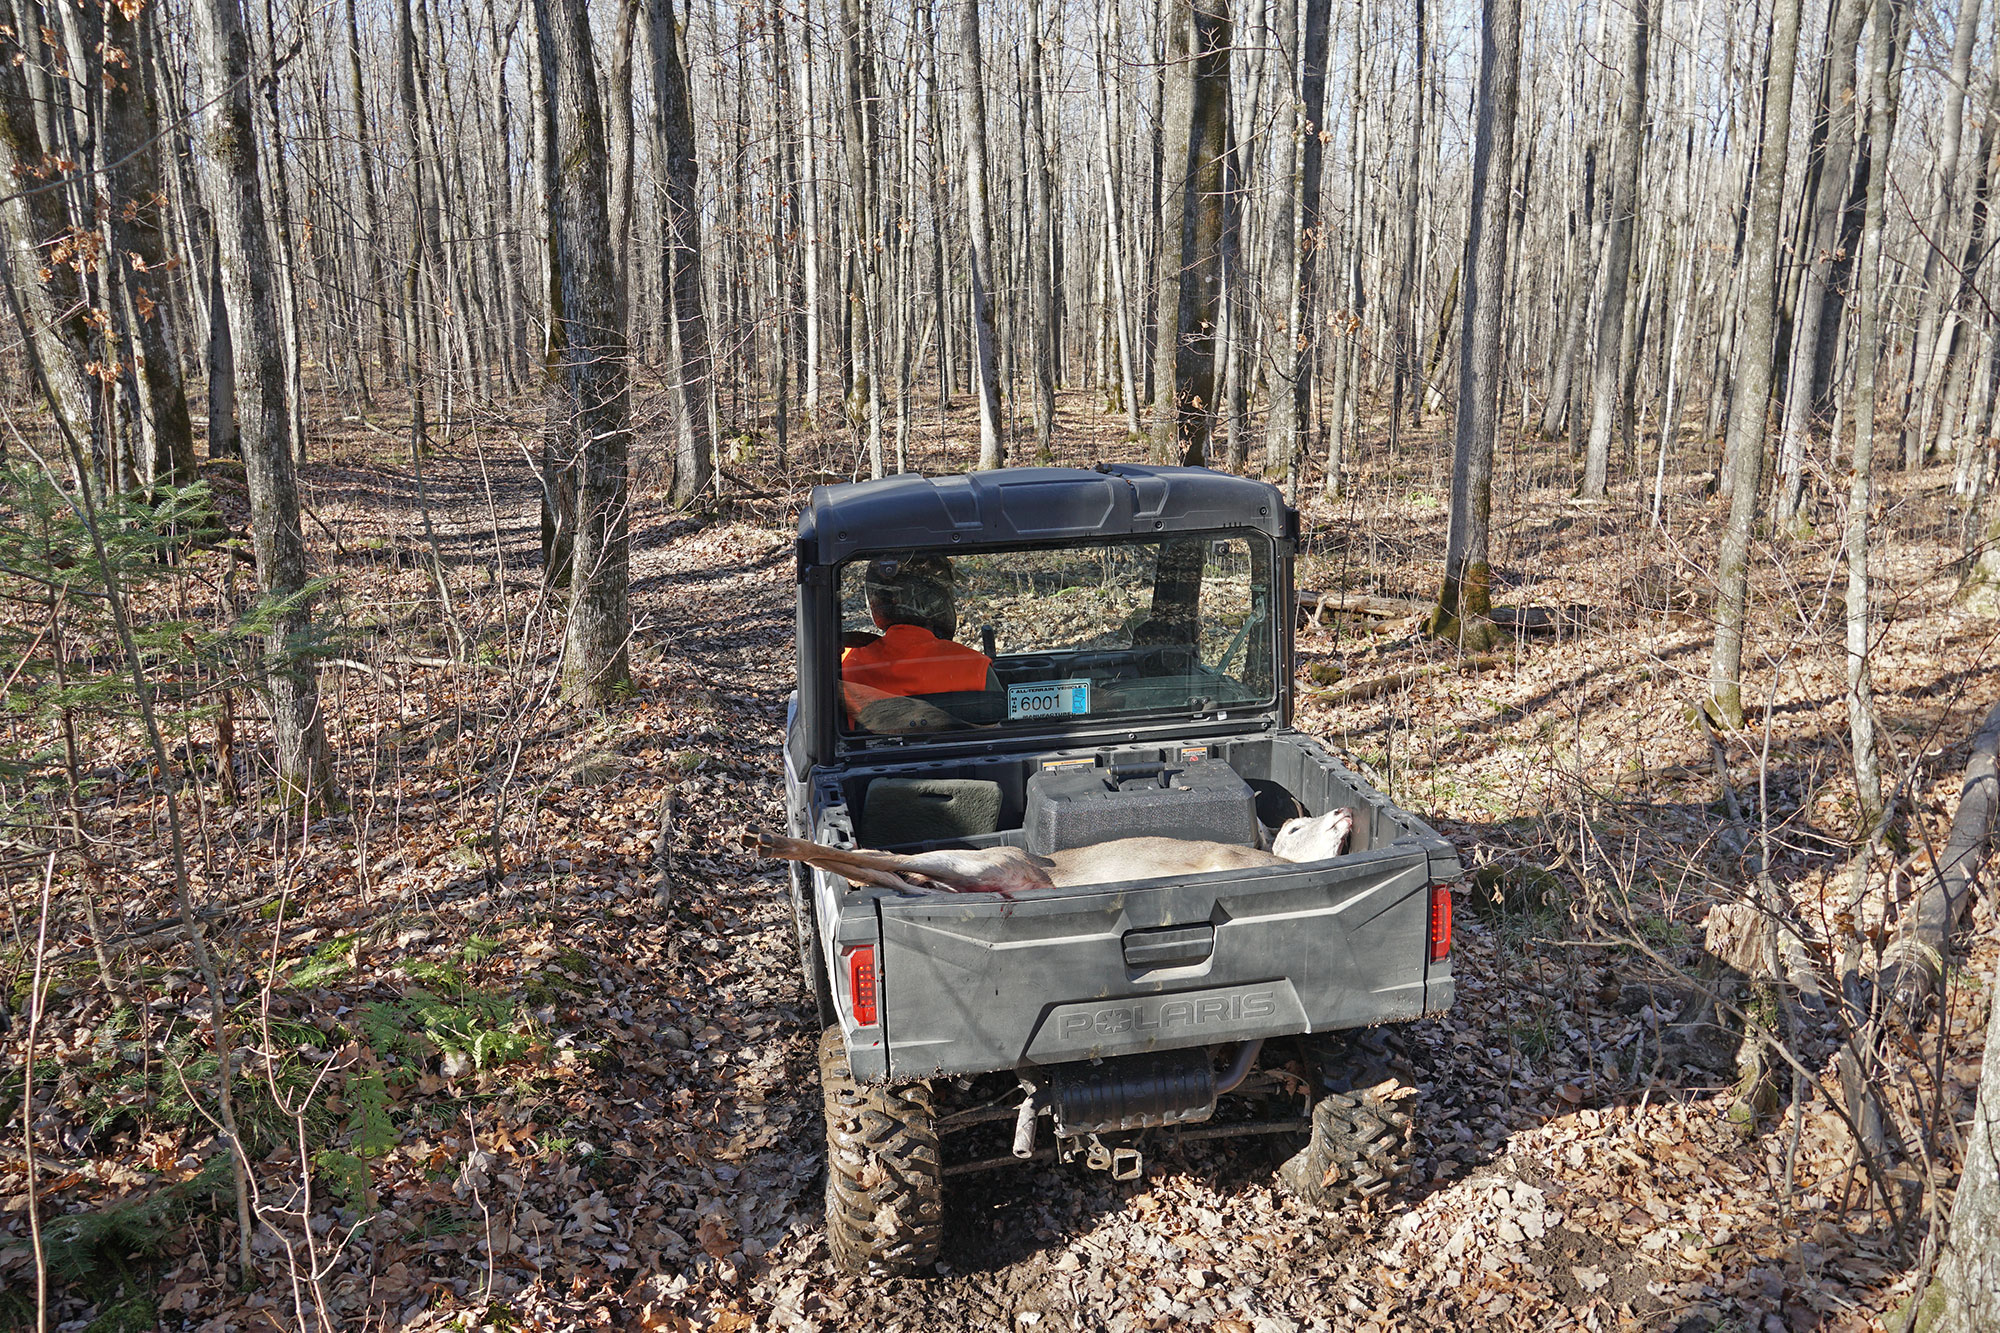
{"x": 512, "y": 1066}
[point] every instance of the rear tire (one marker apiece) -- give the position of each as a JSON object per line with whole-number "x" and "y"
{"x": 884, "y": 1175}
{"x": 1360, "y": 1146}
{"x": 805, "y": 934}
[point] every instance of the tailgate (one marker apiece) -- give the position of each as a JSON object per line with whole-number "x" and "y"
{"x": 977, "y": 983}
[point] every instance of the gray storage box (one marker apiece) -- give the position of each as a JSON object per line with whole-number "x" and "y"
{"x": 1077, "y": 807}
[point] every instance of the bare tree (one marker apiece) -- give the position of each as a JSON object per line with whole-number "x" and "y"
{"x": 1611, "y": 318}
{"x": 1860, "y": 691}
{"x": 1201, "y": 229}
{"x": 235, "y": 194}
{"x": 673, "y": 148}
{"x": 972, "y": 114}
{"x": 1751, "y": 402}
{"x": 1465, "y": 598}
{"x": 587, "y": 355}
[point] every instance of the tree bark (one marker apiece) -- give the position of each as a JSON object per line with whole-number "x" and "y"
{"x": 1405, "y": 368}
{"x": 1967, "y": 1288}
{"x": 1311, "y": 229}
{"x": 1108, "y": 122}
{"x": 1201, "y": 235}
{"x": 992, "y": 452}
{"x": 587, "y": 357}
{"x": 1827, "y": 172}
{"x": 371, "y": 215}
{"x": 1860, "y": 499}
{"x": 1611, "y": 320}
{"x": 1041, "y": 290}
{"x": 230, "y": 168}
{"x": 680, "y": 239}
{"x": 50, "y": 291}
{"x": 1170, "y": 185}
{"x": 132, "y": 205}
{"x": 1928, "y": 353}
{"x": 1465, "y": 598}
{"x": 1751, "y": 401}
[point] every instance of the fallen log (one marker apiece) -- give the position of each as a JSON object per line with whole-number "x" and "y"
{"x": 1541, "y": 619}
{"x": 1368, "y": 689}
{"x": 1369, "y": 605}
{"x": 1915, "y": 961}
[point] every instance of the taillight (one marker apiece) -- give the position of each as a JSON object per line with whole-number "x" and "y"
{"x": 861, "y": 984}
{"x": 1440, "y": 922}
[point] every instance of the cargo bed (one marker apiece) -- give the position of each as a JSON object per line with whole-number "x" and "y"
{"x": 969, "y": 983}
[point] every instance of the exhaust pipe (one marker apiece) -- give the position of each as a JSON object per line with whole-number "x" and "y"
{"x": 1239, "y": 1068}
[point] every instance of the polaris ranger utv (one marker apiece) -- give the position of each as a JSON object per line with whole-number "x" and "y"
{"x": 1101, "y": 655}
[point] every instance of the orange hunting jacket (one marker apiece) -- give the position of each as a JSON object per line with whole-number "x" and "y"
{"x": 909, "y": 659}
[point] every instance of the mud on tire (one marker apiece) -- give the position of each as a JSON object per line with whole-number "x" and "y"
{"x": 1360, "y": 1146}
{"x": 884, "y": 1178}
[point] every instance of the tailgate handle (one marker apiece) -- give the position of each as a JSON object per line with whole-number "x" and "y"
{"x": 1169, "y": 946}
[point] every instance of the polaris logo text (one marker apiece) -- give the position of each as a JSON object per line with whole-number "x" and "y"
{"x": 1157, "y": 1016}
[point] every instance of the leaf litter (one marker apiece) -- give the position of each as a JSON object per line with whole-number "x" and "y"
{"x": 557, "y": 1071}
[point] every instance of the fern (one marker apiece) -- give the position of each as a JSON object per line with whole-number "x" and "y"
{"x": 332, "y": 959}
{"x": 368, "y": 1125}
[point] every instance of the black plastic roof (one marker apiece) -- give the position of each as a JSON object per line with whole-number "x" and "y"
{"x": 1013, "y": 506}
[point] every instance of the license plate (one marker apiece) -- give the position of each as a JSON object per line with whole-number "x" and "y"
{"x": 1048, "y": 698}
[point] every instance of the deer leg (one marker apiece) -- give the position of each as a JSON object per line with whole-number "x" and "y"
{"x": 997, "y": 870}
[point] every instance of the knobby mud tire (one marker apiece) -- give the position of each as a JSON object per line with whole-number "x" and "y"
{"x": 884, "y": 1174}
{"x": 1361, "y": 1145}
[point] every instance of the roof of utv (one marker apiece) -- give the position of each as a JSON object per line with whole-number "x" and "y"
{"x": 1012, "y": 506}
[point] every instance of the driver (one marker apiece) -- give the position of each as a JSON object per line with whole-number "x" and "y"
{"x": 912, "y": 600}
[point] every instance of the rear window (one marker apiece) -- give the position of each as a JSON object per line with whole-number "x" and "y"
{"x": 1055, "y": 637}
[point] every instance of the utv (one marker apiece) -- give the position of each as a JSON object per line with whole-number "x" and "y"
{"x": 1133, "y": 630}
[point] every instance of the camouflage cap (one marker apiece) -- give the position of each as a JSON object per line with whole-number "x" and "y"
{"x": 914, "y": 590}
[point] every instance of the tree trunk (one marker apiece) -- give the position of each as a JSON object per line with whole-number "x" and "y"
{"x": 135, "y": 197}
{"x": 1751, "y": 402}
{"x": 230, "y": 166}
{"x": 1860, "y": 690}
{"x": 1201, "y": 235}
{"x": 1041, "y": 292}
{"x": 1611, "y": 319}
{"x": 1404, "y": 370}
{"x": 587, "y": 356}
{"x": 1311, "y": 228}
{"x": 1967, "y": 1286}
{"x": 1465, "y": 598}
{"x": 979, "y": 218}
{"x": 1170, "y": 185}
{"x": 1109, "y": 121}
{"x": 1927, "y": 354}
{"x": 224, "y": 440}
{"x": 680, "y": 240}
{"x": 50, "y": 294}
{"x": 1827, "y": 175}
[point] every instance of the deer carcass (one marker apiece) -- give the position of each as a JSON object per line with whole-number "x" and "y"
{"x": 1010, "y": 870}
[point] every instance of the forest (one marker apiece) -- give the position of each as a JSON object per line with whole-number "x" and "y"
{"x": 406, "y": 411}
